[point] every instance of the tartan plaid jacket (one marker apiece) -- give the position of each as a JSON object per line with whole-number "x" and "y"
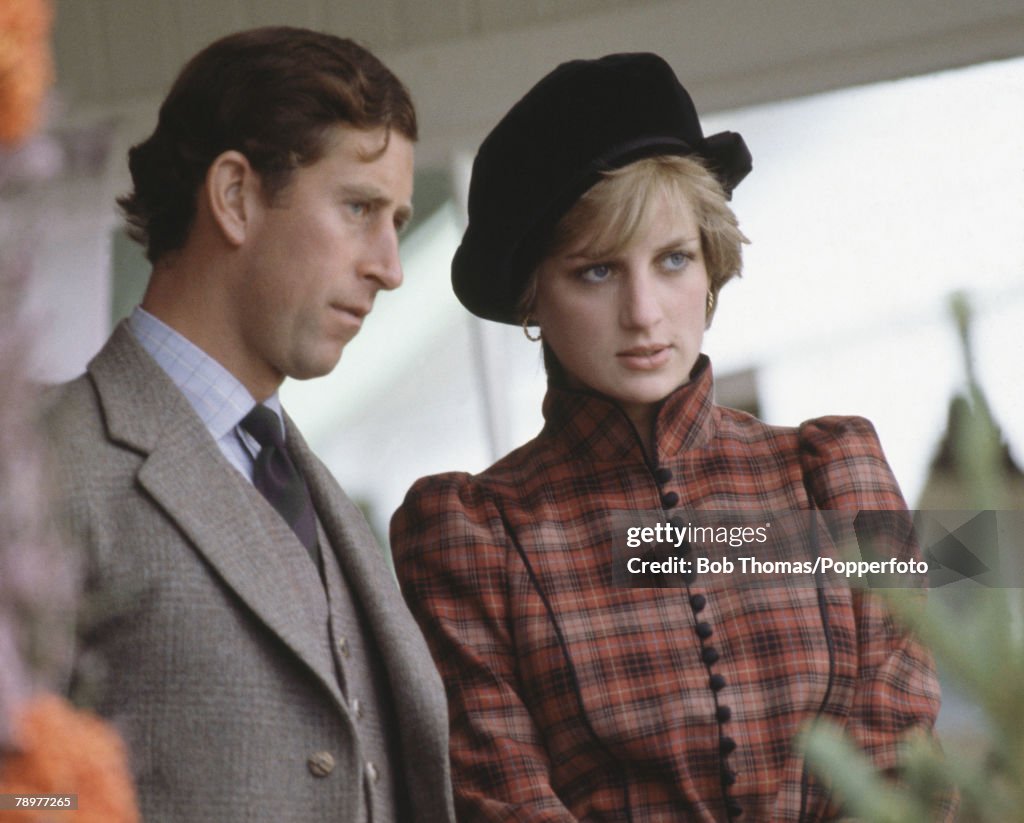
{"x": 575, "y": 699}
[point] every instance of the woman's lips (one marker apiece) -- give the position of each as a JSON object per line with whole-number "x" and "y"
{"x": 645, "y": 358}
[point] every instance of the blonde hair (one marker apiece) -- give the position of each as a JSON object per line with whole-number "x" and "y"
{"x": 613, "y": 211}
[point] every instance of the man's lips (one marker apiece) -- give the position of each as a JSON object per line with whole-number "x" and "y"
{"x": 358, "y": 312}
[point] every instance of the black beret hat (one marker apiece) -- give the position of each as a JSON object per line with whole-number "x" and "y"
{"x": 584, "y": 118}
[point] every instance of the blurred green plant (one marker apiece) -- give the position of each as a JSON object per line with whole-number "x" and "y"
{"x": 980, "y": 649}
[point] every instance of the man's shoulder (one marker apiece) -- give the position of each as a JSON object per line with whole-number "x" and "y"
{"x": 75, "y": 413}
{"x": 122, "y": 392}
{"x": 68, "y": 410}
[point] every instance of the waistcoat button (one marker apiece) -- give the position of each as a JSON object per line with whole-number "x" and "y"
{"x": 320, "y": 764}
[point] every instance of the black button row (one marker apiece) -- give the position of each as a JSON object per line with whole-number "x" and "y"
{"x": 709, "y": 654}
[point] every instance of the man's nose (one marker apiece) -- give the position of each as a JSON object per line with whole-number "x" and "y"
{"x": 383, "y": 262}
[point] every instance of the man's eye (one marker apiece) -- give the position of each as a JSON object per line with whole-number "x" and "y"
{"x": 358, "y": 208}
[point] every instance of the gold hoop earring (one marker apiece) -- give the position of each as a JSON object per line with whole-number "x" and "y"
{"x": 711, "y": 302}
{"x": 526, "y": 330}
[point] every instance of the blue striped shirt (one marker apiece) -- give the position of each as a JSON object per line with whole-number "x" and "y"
{"x": 217, "y": 396}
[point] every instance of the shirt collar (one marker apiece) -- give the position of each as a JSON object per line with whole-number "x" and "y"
{"x": 594, "y": 427}
{"x": 216, "y": 395}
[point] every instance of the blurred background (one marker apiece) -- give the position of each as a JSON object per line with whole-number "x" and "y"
{"x": 888, "y": 145}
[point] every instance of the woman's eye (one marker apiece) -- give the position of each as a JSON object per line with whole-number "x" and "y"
{"x": 676, "y": 261}
{"x": 596, "y": 274}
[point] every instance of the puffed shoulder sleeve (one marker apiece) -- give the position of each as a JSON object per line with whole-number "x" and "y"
{"x": 897, "y": 693}
{"x": 844, "y": 467}
{"x": 453, "y": 562}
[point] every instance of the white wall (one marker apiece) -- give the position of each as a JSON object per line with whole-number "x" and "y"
{"x": 867, "y": 209}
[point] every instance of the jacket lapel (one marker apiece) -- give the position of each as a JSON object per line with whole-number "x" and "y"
{"x": 223, "y": 517}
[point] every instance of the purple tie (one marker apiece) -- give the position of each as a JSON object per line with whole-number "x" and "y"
{"x": 278, "y": 480}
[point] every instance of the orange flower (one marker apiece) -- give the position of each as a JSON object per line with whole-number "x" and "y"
{"x": 64, "y": 751}
{"x": 26, "y": 65}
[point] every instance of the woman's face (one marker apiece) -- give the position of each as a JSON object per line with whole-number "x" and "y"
{"x": 630, "y": 325}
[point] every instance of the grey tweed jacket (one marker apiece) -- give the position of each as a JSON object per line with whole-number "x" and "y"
{"x": 203, "y": 640}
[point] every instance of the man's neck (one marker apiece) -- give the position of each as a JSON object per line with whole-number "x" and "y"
{"x": 188, "y": 300}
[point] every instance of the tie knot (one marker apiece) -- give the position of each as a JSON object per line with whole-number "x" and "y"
{"x": 264, "y": 426}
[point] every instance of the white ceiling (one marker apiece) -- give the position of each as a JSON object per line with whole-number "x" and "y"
{"x": 466, "y": 61}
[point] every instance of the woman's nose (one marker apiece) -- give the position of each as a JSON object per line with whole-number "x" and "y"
{"x": 639, "y": 306}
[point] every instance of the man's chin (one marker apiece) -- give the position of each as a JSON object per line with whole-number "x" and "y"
{"x": 316, "y": 367}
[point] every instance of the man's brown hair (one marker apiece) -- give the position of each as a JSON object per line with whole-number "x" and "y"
{"x": 272, "y": 94}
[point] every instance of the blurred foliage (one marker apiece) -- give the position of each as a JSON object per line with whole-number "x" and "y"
{"x": 26, "y": 66}
{"x": 980, "y": 650}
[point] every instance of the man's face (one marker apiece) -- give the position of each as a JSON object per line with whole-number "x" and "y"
{"x": 318, "y": 254}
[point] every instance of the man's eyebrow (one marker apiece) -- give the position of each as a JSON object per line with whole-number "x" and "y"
{"x": 363, "y": 192}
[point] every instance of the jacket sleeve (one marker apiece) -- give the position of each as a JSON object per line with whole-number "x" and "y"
{"x": 897, "y": 693}
{"x": 452, "y": 558}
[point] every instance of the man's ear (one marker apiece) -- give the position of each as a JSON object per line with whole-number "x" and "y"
{"x": 231, "y": 189}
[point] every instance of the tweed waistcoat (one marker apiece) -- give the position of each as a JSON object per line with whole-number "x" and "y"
{"x": 365, "y": 688}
